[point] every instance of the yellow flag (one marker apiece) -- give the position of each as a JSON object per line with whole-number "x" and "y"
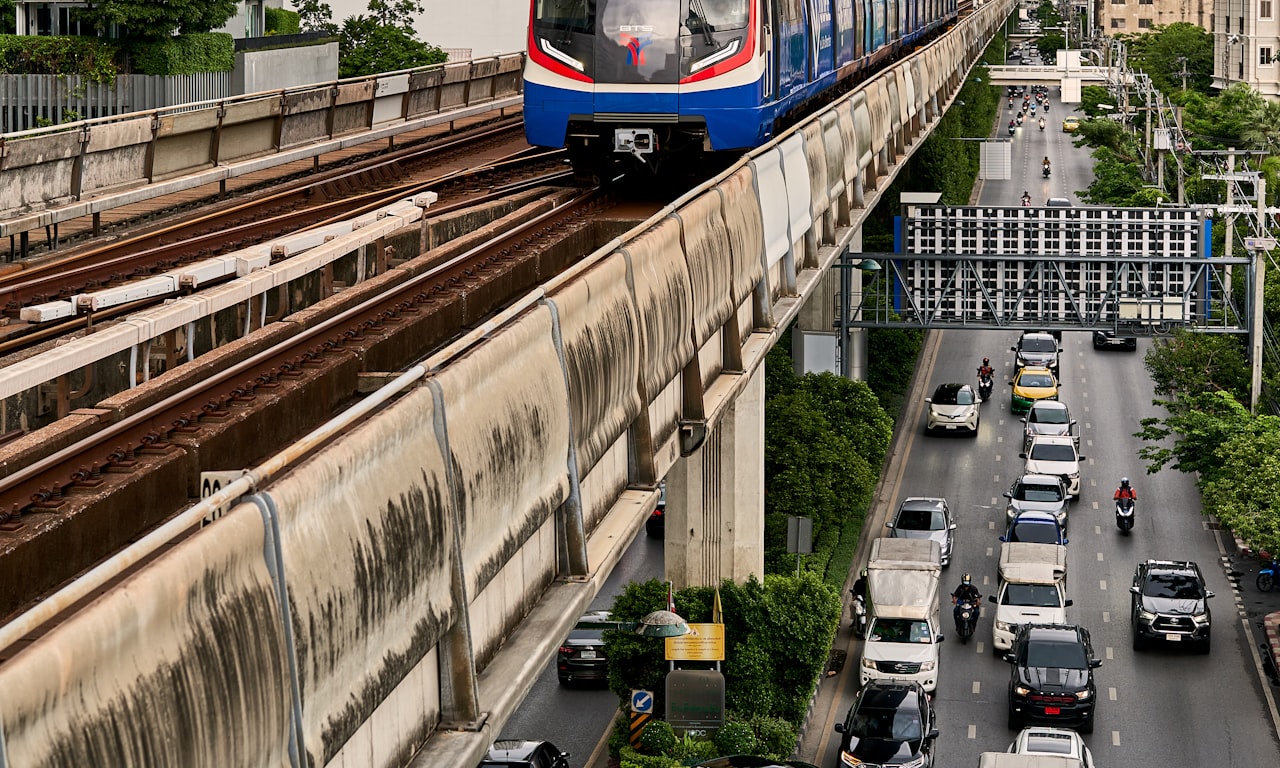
{"x": 717, "y": 611}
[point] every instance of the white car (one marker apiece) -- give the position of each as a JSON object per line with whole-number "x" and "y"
{"x": 953, "y": 407}
{"x": 1052, "y": 741}
{"x": 1055, "y": 455}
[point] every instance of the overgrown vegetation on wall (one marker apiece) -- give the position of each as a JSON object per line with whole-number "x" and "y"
{"x": 90, "y": 57}
{"x": 186, "y": 55}
{"x": 282, "y": 22}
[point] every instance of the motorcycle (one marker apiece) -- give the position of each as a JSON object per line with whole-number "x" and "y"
{"x": 985, "y": 384}
{"x": 1019, "y": 118}
{"x": 1026, "y": 202}
{"x": 1124, "y": 515}
{"x": 1042, "y": 124}
{"x": 1267, "y": 576}
{"x": 966, "y": 616}
{"x": 1046, "y": 171}
{"x": 1011, "y": 129}
{"x": 1010, "y": 105}
{"x": 859, "y": 616}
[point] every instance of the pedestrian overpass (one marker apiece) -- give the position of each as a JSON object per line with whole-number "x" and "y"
{"x": 1050, "y": 74}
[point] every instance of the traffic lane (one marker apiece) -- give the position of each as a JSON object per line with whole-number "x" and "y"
{"x": 574, "y": 717}
{"x": 1072, "y": 167}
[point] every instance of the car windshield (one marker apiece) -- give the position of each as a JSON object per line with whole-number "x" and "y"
{"x": 900, "y": 631}
{"x": 1030, "y": 492}
{"x": 1056, "y": 655}
{"x": 1032, "y": 595}
{"x": 1052, "y": 452}
{"x": 1035, "y": 380}
{"x": 895, "y": 725}
{"x": 1038, "y": 345}
{"x": 1182, "y": 586}
{"x": 1035, "y": 533}
{"x": 1044, "y": 743}
{"x": 1047, "y": 416}
{"x": 922, "y": 520}
{"x": 953, "y": 394}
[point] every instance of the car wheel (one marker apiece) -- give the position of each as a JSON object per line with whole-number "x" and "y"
{"x": 1087, "y": 726}
{"x": 1204, "y": 647}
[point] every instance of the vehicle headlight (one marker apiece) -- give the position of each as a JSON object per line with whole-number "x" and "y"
{"x": 848, "y": 759}
{"x": 1002, "y": 626}
{"x": 868, "y": 663}
{"x": 1021, "y": 690}
{"x": 1202, "y": 618}
{"x": 1146, "y": 615}
{"x": 1084, "y": 695}
{"x": 927, "y": 666}
{"x": 917, "y": 763}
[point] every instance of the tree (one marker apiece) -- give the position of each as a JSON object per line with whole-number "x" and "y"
{"x": 144, "y": 20}
{"x": 1201, "y": 422}
{"x": 1166, "y": 51}
{"x": 1190, "y": 363}
{"x": 1049, "y": 45}
{"x": 1116, "y": 180}
{"x": 316, "y": 16}
{"x": 1263, "y": 130}
{"x": 368, "y": 46}
{"x": 1246, "y": 496}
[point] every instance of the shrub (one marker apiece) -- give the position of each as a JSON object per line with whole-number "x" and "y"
{"x": 775, "y": 737}
{"x": 620, "y": 736}
{"x": 185, "y": 54}
{"x": 657, "y": 738}
{"x": 282, "y": 22}
{"x": 85, "y": 56}
{"x": 736, "y": 738}
{"x": 629, "y": 758}
{"x": 689, "y": 748}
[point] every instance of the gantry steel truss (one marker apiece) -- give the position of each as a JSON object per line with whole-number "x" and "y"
{"x": 1134, "y": 295}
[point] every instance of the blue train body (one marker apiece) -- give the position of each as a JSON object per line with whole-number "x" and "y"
{"x": 656, "y": 80}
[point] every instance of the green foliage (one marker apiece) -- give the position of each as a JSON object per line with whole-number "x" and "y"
{"x": 145, "y": 20}
{"x": 282, "y": 22}
{"x": 779, "y": 370}
{"x": 657, "y": 738}
{"x": 186, "y": 54}
{"x": 620, "y": 734}
{"x": 630, "y": 758}
{"x": 368, "y": 46}
{"x": 775, "y": 737}
{"x": 315, "y": 16}
{"x": 1245, "y": 494}
{"x": 8, "y": 17}
{"x": 1202, "y": 421}
{"x": 88, "y": 57}
{"x": 1049, "y": 45}
{"x": 736, "y": 738}
{"x": 1116, "y": 181}
{"x": 689, "y": 748}
{"x": 1166, "y": 51}
{"x": 891, "y": 356}
{"x": 942, "y": 163}
{"x": 1190, "y": 363}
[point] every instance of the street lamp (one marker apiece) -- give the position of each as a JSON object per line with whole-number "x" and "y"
{"x": 658, "y": 624}
{"x": 847, "y": 268}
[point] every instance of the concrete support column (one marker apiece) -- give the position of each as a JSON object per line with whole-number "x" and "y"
{"x": 813, "y": 335}
{"x": 856, "y": 368}
{"x": 715, "y": 499}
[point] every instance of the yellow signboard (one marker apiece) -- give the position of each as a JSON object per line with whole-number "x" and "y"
{"x": 705, "y": 642}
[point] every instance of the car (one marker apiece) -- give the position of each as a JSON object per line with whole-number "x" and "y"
{"x": 1108, "y": 339}
{"x": 1029, "y": 385}
{"x": 1070, "y": 124}
{"x": 1055, "y": 455}
{"x": 514, "y": 753}
{"x": 1037, "y": 493}
{"x": 1035, "y": 528}
{"x": 1043, "y": 740}
{"x": 890, "y": 723}
{"x": 1170, "y": 603}
{"x": 925, "y": 517}
{"x": 953, "y": 407}
{"x": 656, "y": 525}
{"x": 581, "y": 658}
{"x": 1058, "y": 202}
{"x": 1036, "y": 348}
{"x": 1046, "y": 417}
{"x": 1052, "y": 677}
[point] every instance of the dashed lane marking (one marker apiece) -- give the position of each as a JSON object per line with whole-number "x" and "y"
{"x": 1097, "y": 529}
{"x": 1115, "y": 738}
{"x": 1099, "y": 557}
{"x": 973, "y": 731}
{"x": 1110, "y": 654}
{"x": 1102, "y": 585}
{"x": 1111, "y": 692}
{"x": 990, "y": 551}
{"x": 1106, "y": 617}
{"x": 978, "y": 647}
{"x": 977, "y": 687}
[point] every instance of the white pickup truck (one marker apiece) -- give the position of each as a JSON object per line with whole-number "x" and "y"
{"x": 1032, "y": 590}
{"x": 903, "y": 630}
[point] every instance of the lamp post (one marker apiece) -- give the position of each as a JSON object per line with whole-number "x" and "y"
{"x": 658, "y": 624}
{"x": 848, "y": 269}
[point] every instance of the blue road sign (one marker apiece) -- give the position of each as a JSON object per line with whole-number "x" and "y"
{"x": 641, "y": 701}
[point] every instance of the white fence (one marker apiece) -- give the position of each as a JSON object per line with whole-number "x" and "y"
{"x": 31, "y": 101}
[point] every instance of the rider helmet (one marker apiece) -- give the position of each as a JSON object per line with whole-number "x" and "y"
{"x": 1124, "y": 482}
{"x": 965, "y": 579}
{"x": 986, "y": 361}
{"x": 864, "y": 573}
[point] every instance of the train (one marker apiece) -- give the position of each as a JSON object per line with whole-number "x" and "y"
{"x": 655, "y": 82}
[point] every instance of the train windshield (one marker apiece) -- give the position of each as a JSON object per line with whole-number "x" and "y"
{"x": 699, "y": 16}
{"x": 637, "y": 41}
{"x": 565, "y": 15}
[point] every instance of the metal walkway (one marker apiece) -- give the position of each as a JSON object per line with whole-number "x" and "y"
{"x": 1051, "y": 74}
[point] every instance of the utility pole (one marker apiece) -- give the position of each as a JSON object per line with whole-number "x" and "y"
{"x": 1231, "y": 217}
{"x": 1184, "y": 71}
{"x": 1262, "y": 246}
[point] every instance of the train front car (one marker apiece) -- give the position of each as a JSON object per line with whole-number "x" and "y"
{"x": 655, "y": 81}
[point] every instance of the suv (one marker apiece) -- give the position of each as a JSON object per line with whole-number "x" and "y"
{"x": 524, "y": 754}
{"x": 1046, "y": 417}
{"x": 1036, "y": 349}
{"x": 1055, "y": 455}
{"x": 1038, "y": 493}
{"x": 953, "y": 406}
{"x": 1103, "y": 339}
{"x": 888, "y": 724}
{"x": 1170, "y": 603}
{"x": 922, "y": 517}
{"x": 1052, "y": 679}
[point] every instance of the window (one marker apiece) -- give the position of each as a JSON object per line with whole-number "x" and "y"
{"x": 1146, "y": 2}
{"x": 1144, "y": 23}
{"x": 1241, "y": 23}
{"x": 1117, "y": 23}
{"x": 1264, "y": 56}
{"x": 1264, "y": 9}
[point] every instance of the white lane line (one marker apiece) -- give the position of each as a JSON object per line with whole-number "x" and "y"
{"x": 1110, "y": 654}
{"x": 991, "y": 525}
{"x": 1097, "y": 529}
{"x": 990, "y": 551}
{"x": 997, "y": 457}
{"x": 1106, "y": 617}
{"x": 986, "y": 580}
{"x": 1099, "y": 557}
{"x": 1115, "y": 738}
{"x": 1112, "y": 693}
{"x": 1000, "y": 439}
{"x": 1102, "y": 585}
{"x": 1094, "y": 503}
{"x": 978, "y": 647}
{"x": 973, "y": 731}
{"x": 977, "y": 687}
{"x": 1088, "y": 425}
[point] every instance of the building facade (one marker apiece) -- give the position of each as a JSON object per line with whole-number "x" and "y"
{"x": 43, "y": 18}
{"x": 1118, "y": 17}
{"x": 1246, "y": 42}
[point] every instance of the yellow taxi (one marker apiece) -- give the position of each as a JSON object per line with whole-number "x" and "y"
{"x": 1071, "y": 125}
{"x": 1030, "y": 384}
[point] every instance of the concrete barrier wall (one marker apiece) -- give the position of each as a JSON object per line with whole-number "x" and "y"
{"x": 49, "y": 168}
{"x": 397, "y": 563}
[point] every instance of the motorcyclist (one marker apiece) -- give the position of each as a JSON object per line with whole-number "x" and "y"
{"x": 1042, "y": 123}
{"x": 966, "y": 592}
{"x": 985, "y": 369}
{"x": 860, "y": 585}
{"x": 1125, "y": 491}
{"x": 1046, "y": 162}
{"x": 1026, "y": 198}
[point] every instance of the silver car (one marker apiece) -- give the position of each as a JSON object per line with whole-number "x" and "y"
{"x": 925, "y": 517}
{"x": 1046, "y": 417}
{"x": 1039, "y": 493}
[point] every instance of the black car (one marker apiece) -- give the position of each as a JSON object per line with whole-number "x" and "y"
{"x": 1036, "y": 348}
{"x": 581, "y": 656}
{"x": 890, "y": 723}
{"x": 1108, "y": 339}
{"x": 1052, "y": 679}
{"x": 524, "y": 754}
{"x": 1170, "y": 603}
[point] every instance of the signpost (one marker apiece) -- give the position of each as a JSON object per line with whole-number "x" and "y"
{"x": 695, "y": 701}
{"x": 641, "y": 713}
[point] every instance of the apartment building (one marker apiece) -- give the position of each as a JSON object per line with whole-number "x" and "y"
{"x": 1246, "y": 43}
